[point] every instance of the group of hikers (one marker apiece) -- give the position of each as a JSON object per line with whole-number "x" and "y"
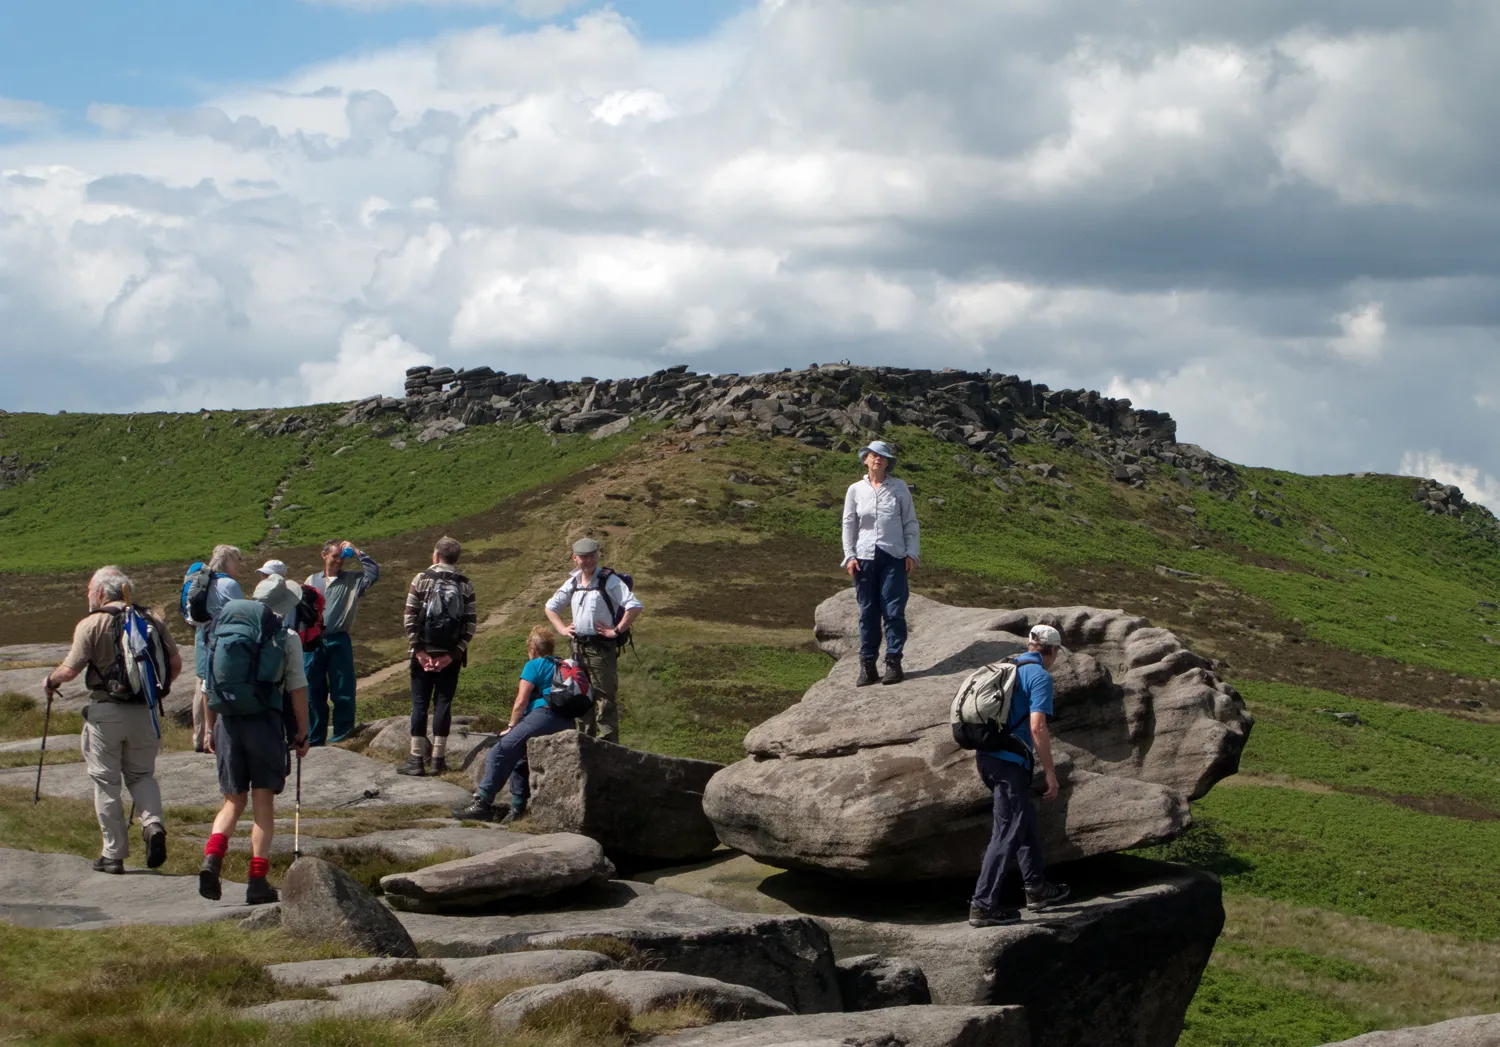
{"x": 275, "y": 676}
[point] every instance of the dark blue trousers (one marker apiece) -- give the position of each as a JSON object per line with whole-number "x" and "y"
{"x": 880, "y": 588}
{"x": 1013, "y": 833}
{"x": 507, "y": 757}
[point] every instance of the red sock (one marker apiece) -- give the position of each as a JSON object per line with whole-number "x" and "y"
{"x": 259, "y": 867}
{"x": 218, "y": 845}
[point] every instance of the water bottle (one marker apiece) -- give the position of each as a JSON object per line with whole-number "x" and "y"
{"x": 347, "y": 560}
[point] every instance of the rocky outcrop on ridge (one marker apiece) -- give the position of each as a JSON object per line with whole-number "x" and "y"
{"x": 867, "y": 783}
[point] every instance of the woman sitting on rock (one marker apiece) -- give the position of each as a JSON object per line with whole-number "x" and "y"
{"x": 881, "y": 546}
{"x": 530, "y": 717}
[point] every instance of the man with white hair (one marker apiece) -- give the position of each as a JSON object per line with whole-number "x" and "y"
{"x": 119, "y": 735}
{"x": 225, "y": 563}
{"x": 1007, "y": 773}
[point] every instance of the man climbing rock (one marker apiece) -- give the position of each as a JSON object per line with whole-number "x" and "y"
{"x": 441, "y": 616}
{"x": 603, "y": 607}
{"x": 346, "y": 576}
{"x": 1007, "y": 772}
{"x": 256, "y": 669}
{"x": 120, "y": 737}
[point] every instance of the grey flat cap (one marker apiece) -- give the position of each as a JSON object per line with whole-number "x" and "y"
{"x": 584, "y": 546}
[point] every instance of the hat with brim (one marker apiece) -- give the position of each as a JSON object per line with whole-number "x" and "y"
{"x": 271, "y": 567}
{"x": 585, "y": 546}
{"x": 880, "y": 447}
{"x": 279, "y": 594}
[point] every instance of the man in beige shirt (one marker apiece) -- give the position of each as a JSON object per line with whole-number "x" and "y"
{"x": 119, "y": 734}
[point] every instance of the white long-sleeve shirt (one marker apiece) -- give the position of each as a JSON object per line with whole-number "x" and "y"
{"x": 589, "y": 608}
{"x": 880, "y": 517}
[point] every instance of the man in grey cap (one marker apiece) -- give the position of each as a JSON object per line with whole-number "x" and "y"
{"x": 603, "y": 608}
{"x": 881, "y": 545}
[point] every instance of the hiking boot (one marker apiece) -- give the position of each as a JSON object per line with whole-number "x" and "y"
{"x": 1045, "y": 896}
{"x": 515, "y": 812}
{"x": 893, "y": 673}
{"x": 439, "y": 765}
{"x": 992, "y": 917}
{"x": 868, "y": 673}
{"x": 478, "y": 811}
{"x": 113, "y": 866}
{"x": 414, "y": 766}
{"x": 259, "y": 892}
{"x": 208, "y": 877}
{"x": 156, "y": 845}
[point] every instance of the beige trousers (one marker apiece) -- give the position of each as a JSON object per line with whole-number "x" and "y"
{"x": 120, "y": 743}
{"x": 200, "y": 718}
{"x": 600, "y": 661}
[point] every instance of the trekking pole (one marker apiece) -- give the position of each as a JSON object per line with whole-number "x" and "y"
{"x": 297, "y": 815}
{"x": 41, "y": 756}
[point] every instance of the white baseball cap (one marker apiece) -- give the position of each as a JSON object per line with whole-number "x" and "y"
{"x": 271, "y": 567}
{"x": 1045, "y": 635}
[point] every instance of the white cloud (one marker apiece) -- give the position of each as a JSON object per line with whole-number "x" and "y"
{"x": 537, "y": 9}
{"x": 371, "y": 359}
{"x": 1364, "y": 332}
{"x": 1478, "y": 486}
{"x": 19, "y": 113}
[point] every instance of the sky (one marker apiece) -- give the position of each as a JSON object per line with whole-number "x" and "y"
{"x": 1278, "y": 220}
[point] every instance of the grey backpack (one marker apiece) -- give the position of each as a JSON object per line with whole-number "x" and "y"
{"x": 982, "y": 709}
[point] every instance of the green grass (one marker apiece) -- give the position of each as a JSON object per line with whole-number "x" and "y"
{"x": 1233, "y": 1010}
{"x": 1393, "y": 751}
{"x": 22, "y": 717}
{"x": 1351, "y": 854}
{"x": 177, "y": 485}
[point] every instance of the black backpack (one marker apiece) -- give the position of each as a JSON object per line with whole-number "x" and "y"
{"x": 616, "y": 614}
{"x": 443, "y": 614}
{"x": 197, "y": 584}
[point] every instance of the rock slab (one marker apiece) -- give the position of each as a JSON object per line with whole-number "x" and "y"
{"x": 893, "y": 1027}
{"x": 1479, "y": 1031}
{"x": 540, "y": 965}
{"x": 640, "y": 806}
{"x": 788, "y": 958}
{"x": 640, "y": 992}
{"x": 321, "y": 902}
{"x": 872, "y": 982}
{"x": 517, "y": 867}
{"x": 63, "y": 891}
{"x": 392, "y": 999}
{"x": 868, "y": 784}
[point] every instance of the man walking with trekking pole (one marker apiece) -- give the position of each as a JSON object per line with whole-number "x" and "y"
{"x": 603, "y": 608}
{"x": 254, "y": 669}
{"x": 120, "y": 735}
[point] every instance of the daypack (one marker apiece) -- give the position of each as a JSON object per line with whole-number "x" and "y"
{"x": 197, "y": 583}
{"x": 569, "y": 694}
{"x": 142, "y": 664}
{"x": 244, "y": 655}
{"x": 308, "y": 618}
{"x": 442, "y": 625}
{"x": 981, "y": 711}
{"x": 616, "y": 614}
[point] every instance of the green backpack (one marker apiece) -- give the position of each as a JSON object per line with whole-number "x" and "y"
{"x": 245, "y": 650}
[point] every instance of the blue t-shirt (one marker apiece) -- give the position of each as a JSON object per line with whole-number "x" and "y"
{"x": 539, "y": 672}
{"x": 1033, "y": 695}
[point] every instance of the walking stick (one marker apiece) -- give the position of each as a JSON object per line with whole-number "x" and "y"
{"x": 297, "y": 815}
{"x": 41, "y": 756}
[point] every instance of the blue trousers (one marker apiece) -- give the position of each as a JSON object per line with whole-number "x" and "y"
{"x": 880, "y": 588}
{"x": 330, "y": 677}
{"x": 1013, "y": 833}
{"x": 507, "y": 757}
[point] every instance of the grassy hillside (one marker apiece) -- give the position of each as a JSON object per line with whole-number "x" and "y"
{"x": 1358, "y": 854}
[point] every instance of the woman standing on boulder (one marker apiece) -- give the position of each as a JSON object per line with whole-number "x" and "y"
{"x": 881, "y": 545}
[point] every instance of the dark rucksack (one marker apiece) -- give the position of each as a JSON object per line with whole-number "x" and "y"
{"x": 569, "y": 694}
{"x": 244, "y": 657}
{"x": 983, "y": 712}
{"x": 616, "y": 614}
{"x": 142, "y": 665}
{"x": 197, "y": 583}
{"x": 443, "y": 613}
{"x": 307, "y": 619}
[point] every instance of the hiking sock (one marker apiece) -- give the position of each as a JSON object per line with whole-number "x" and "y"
{"x": 419, "y": 746}
{"x": 439, "y": 746}
{"x": 217, "y": 845}
{"x": 259, "y": 867}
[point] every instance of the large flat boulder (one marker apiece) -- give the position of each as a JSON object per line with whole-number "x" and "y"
{"x": 1482, "y": 1030}
{"x": 400, "y": 844}
{"x": 464, "y": 745}
{"x": 641, "y": 992}
{"x": 399, "y": 998}
{"x": 867, "y": 783}
{"x": 322, "y": 903}
{"x": 63, "y": 891}
{"x": 537, "y": 966}
{"x": 892, "y": 1027}
{"x": 331, "y": 777}
{"x": 641, "y": 806}
{"x": 516, "y": 867}
{"x": 58, "y": 743}
{"x": 786, "y": 957}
